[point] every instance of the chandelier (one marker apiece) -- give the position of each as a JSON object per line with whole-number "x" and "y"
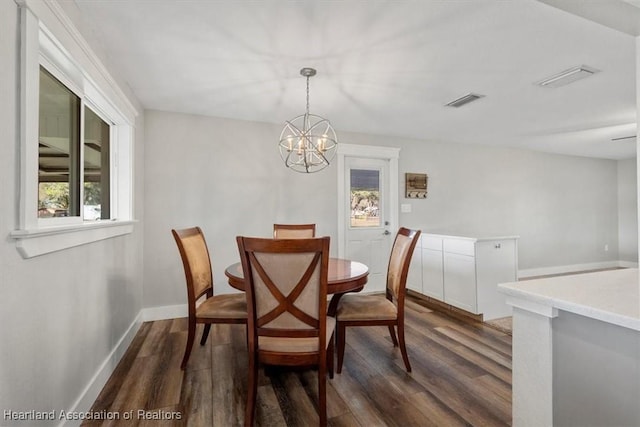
{"x": 308, "y": 142}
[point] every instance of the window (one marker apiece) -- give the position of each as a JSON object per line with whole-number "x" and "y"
{"x": 76, "y": 140}
{"x": 96, "y": 167}
{"x": 61, "y": 185}
{"x": 58, "y": 149}
{"x": 365, "y": 198}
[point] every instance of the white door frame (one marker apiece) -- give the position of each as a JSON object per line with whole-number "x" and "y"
{"x": 368, "y": 152}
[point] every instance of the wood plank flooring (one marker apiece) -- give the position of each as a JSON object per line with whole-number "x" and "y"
{"x": 461, "y": 377}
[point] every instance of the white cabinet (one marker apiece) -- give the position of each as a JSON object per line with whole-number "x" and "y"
{"x": 464, "y": 272}
{"x": 432, "y": 267}
{"x": 460, "y": 281}
{"x": 414, "y": 276}
{"x": 496, "y": 262}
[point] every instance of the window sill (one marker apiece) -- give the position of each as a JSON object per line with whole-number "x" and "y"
{"x": 35, "y": 242}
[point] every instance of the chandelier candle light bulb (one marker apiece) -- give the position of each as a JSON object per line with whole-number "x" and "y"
{"x": 314, "y": 137}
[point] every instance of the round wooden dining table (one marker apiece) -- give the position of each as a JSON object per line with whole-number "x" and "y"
{"x": 344, "y": 276}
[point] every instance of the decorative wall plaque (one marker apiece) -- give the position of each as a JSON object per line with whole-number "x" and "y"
{"x": 416, "y": 185}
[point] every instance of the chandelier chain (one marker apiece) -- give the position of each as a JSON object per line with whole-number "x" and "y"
{"x": 307, "y": 95}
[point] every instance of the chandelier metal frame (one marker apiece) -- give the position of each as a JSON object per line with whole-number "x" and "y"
{"x": 308, "y": 142}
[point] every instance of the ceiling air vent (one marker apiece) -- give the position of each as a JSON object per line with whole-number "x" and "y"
{"x": 568, "y": 76}
{"x": 470, "y": 97}
{"x": 622, "y": 138}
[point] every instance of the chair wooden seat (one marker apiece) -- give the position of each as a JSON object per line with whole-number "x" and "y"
{"x": 224, "y": 306}
{"x": 387, "y": 310}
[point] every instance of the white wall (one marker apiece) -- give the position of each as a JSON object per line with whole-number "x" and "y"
{"x": 564, "y": 208}
{"x": 596, "y": 372}
{"x": 227, "y": 176}
{"x": 61, "y": 314}
{"x": 627, "y": 211}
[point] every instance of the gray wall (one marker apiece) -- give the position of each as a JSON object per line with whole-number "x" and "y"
{"x": 564, "y": 208}
{"x": 61, "y": 314}
{"x": 596, "y": 373}
{"x": 227, "y": 176}
{"x": 627, "y": 211}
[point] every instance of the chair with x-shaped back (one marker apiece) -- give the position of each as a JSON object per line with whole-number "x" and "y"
{"x": 286, "y": 286}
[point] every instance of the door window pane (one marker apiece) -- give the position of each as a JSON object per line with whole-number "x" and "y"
{"x": 96, "y": 167}
{"x": 365, "y": 198}
{"x": 58, "y": 149}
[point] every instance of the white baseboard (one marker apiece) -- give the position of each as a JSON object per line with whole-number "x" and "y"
{"x": 575, "y": 268}
{"x": 90, "y": 393}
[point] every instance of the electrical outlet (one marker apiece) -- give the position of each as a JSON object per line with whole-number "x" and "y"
{"x": 606, "y": 248}
{"x": 405, "y": 207}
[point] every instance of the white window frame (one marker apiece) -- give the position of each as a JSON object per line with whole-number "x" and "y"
{"x": 75, "y": 65}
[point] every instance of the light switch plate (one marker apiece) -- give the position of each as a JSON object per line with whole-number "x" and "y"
{"x": 405, "y": 207}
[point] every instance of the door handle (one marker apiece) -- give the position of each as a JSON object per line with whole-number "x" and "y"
{"x": 386, "y": 232}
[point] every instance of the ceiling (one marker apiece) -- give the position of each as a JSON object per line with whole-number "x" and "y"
{"x": 385, "y": 67}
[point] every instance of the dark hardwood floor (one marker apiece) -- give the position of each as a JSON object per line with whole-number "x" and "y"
{"x": 461, "y": 376}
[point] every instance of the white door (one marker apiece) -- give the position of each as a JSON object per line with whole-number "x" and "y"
{"x": 365, "y": 239}
{"x": 368, "y": 233}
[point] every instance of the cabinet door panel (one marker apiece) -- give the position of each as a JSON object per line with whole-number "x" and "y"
{"x": 432, "y": 274}
{"x": 460, "y": 281}
{"x": 496, "y": 264}
{"x": 414, "y": 277}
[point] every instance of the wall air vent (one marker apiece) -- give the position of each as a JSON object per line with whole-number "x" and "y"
{"x": 470, "y": 97}
{"x": 568, "y": 76}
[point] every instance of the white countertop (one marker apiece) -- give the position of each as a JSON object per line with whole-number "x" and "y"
{"x": 610, "y": 296}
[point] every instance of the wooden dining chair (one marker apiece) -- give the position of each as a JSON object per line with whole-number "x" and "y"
{"x": 375, "y": 310}
{"x": 286, "y": 287}
{"x": 294, "y": 231}
{"x": 227, "y": 308}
